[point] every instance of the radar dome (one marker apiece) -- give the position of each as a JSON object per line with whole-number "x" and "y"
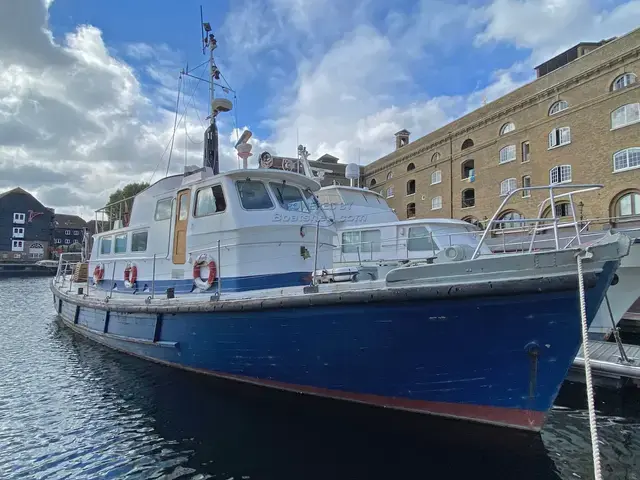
{"x": 352, "y": 171}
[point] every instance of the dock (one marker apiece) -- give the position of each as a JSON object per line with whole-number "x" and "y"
{"x": 16, "y": 270}
{"x": 607, "y": 365}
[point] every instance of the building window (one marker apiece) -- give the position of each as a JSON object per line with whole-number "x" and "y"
{"x": 625, "y": 115}
{"x": 372, "y": 183}
{"x": 57, "y": 241}
{"x": 67, "y": 241}
{"x": 435, "y": 157}
{"x": 18, "y": 218}
{"x": 36, "y": 250}
{"x": 628, "y": 204}
{"x": 436, "y": 203}
{"x": 76, "y": 232}
{"x": 627, "y": 159}
{"x": 18, "y": 232}
{"x": 468, "y": 143}
{"x": 420, "y": 240}
{"x": 411, "y": 210}
{"x": 411, "y": 187}
{"x": 508, "y": 154}
{"x": 17, "y": 255}
{"x": 509, "y": 220}
{"x": 526, "y": 182}
{"x": 467, "y": 169}
{"x": 560, "y": 174}
{"x": 67, "y": 232}
{"x": 365, "y": 241}
{"x": 468, "y": 198}
{"x": 562, "y": 209}
{"x": 507, "y": 127}
{"x": 410, "y": 167}
{"x": 389, "y": 175}
{"x": 507, "y": 186}
{"x": 623, "y": 81}
{"x": 557, "y": 107}
{"x": 559, "y": 136}
{"x": 526, "y": 152}
{"x": 436, "y": 177}
{"x": 390, "y": 192}
{"x": 163, "y": 209}
{"x": 17, "y": 246}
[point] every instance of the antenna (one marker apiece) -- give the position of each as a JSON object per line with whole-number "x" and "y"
{"x": 202, "y": 37}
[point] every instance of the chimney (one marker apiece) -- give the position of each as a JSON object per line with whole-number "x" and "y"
{"x": 402, "y": 139}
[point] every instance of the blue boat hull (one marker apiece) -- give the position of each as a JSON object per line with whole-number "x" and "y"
{"x": 497, "y": 360}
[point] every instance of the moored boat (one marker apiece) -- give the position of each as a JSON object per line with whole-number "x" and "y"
{"x": 213, "y": 273}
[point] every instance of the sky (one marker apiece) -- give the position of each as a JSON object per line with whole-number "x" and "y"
{"x": 89, "y": 89}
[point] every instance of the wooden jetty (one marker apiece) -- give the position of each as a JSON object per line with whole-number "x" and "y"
{"x": 614, "y": 365}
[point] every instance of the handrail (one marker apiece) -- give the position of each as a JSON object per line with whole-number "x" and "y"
{"x": 550, "y": 188}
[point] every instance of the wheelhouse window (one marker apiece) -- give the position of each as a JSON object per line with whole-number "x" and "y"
{"x": 625, "y": 115}
{"x": 163, "y": 209}
{"x": 210, "y": 200}
{"x": 139, "y": 241}
{"x": 289, "y": 197}
{"x": 366, "y": 241}
{"x": 105, "y": 245}
{"x": 120, "y": 244}
{"x": 420, "y": 240}
{"x": 253, "y": 195}
{"x": 627, "y": 159}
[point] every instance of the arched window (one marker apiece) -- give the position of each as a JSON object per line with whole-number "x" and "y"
{"x": 558, "y": 106}
{"x": 628, "y": 204}
{"x": 390, "y": 192}
{"x": 36, "y": 250}
{"x": 411, "y": 187}
{"x": 372, "y": 183}
{"x": 435, "y": 157}
{"x": 473, "y": 221}
{"x": 509, "y": 218}
{"x": 563, "y": 209}
{"x": 625, "y": 115}
{"x": 627, "y": 159}
{"x": 389, "y": 175}
{"x": 410, "y": 167}
{"x": 467, "y": 168}
{"x": 508, "y": 154}
{"x": 624, "y": 80}
{"x": 411, "y": 210}
{"x": 507, "y": 127}
{"x": 468, "y": 143}
{"x": 468, "y": 198}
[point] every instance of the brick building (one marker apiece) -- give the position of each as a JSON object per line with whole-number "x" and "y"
{"x": 578, "y": 122}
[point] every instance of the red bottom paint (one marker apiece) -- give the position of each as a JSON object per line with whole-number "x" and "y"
{"x": 506, "y": 417}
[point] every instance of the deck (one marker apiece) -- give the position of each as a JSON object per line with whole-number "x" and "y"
{"x": 606, "y": 365}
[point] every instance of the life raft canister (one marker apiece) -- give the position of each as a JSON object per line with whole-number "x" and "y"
{"x": 130, "y": 275}
{"x": 197, "y": 279}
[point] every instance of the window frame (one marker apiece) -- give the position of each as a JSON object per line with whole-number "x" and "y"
{"x": 627, "y": 152}
{"x": 508, "y": 183}
{"x": 526, "y": 193}
{"x": 439, "y": 207}
{"x": 414, "y": 187}
{"x": 438, "y": 176}
{"x": 507, "y": 128}
{"x": 631, "y": 75}
{"x": 414, "y": 209}
{"x": 626, "y": 122}
{"x": 101, "y": 242}
{"x": 146, "y": 240}
{"x": 508, "y": 160}
{"x": 557, "y": 135}
{"x": 168, "y": 200}
{"x": 195, "y": 203}
{"x": 525, "y": 158}
{"x": 267, "y": 190}
{"x": 390, "y": 191}
{"x": 559, "y": 170}
{"x": 562, "y": 106}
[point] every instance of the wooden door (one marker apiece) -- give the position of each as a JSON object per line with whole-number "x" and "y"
{"x": 180, "y": 230}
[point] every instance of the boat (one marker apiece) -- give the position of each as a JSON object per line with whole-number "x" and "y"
{"x": 216, "y": 272}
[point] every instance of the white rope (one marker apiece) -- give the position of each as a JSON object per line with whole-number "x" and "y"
{"x": 587, "y": 370}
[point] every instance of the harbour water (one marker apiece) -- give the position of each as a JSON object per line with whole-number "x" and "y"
{"x": 70, "y": 409}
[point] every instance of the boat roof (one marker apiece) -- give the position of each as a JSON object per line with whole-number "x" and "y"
{"x": 349, "y": 188}
{"x": 403, "y": 223}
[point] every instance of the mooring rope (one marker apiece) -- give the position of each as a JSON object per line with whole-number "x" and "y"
{"x": 587, "y": 369}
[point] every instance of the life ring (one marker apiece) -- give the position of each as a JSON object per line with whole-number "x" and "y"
{"x": 213, "y": 271}
{"x": 98, "y": 273}
{"x": 130, "y": 275}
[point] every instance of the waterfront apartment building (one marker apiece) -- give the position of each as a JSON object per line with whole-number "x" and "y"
{"x": 25, "y": 227}
{"x": 68, "y": 230}
{"x": 578, "y": 122}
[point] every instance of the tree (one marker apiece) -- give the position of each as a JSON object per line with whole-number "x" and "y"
{"x": 121, "y": 210}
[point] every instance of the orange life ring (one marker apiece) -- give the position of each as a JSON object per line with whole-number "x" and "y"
{"x": 98, "y": 273}
{"x": 198, "y": 280}
{"x": 130, "y": 276}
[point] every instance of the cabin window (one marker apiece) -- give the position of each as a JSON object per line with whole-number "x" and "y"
{"x": 253, "y": 195}
{"x": 120, "y": 244}
{"x": 420, "y": 240}
{"x": 210, "y": 200}
{"x": 366, "y": 240}
{"x": 105, "y": 245}
{"x": 163, "y": 209}
{"x": 139, "y": 241}
{"x": 289, "y": 197}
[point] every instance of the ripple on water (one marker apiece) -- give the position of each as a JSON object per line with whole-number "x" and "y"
{"x": 70, "y": 409}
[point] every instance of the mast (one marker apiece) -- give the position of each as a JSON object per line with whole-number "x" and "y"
{"x": 217, "y": 105}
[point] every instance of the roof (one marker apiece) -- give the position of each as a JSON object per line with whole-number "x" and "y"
{"x": 21, "y": 191}
{"x": 326, "y": 158}
{"x": 403, "y": 132}
{"x": 69, "y": 221}
{"x": 575, "y": 47}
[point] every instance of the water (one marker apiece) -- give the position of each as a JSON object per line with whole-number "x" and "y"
{"x": 72, "y": 409}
